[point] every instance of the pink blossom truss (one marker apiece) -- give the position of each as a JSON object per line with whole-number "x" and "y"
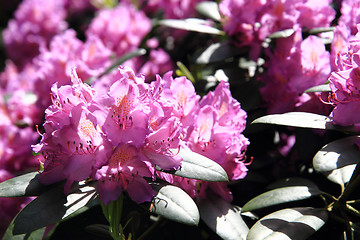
{"x": 294, "y": 66}
{"x": 248, "y": 23}
{"x": 119, "y": 131}
{"x": 121, "y": 29}
{"x": 35, "y": 23}
{"x": 344, "y": 84}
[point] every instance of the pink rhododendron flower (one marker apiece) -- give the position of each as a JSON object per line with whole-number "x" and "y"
{"x": 54, "y": 64}
{"x": 216, "y": 133}
{"x": 173, "y": 9}
{"x": 121, "y": 29}
{"x": 108, "y": 136}
{"x": 339, "y": 43}
{"x": 344, "y": 85}
{"x": 294, "y": 66}
{"x": 249, "y": 23}
{"x": 350, "y": 11}
{"x": 119, "y": 136}
{"x": 35, "y": 23}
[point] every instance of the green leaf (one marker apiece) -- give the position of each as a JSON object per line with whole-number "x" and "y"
{"x": 191, "y": 24}
{"x": 197, "y": 166}
{"x": 298, "y": 119}
{"x": 321, "y": 30}
{"x": 337, "y": 160}
{"x": 118, "y": 62}
{"x": 320, "y": 88}
{"x": 223, "y": 218}
{"x": 209, "y": 9}
{"x": 173, "y": 203}
{"x": 51, "y": 207}
{"x": 185, "y": 71}
{"x": 282, "y": 34}
{"x": 216, "y": 52}
{"x": 281, "y": 195}
{"x": 290, "y": 223}
{"x": 23, "y": 185}
{"x": 35, "y": 235}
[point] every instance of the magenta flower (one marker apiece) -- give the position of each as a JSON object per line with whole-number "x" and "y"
{"x": 72, "y": 141}
{"x": 340, "y": 43}
{"x": 108, "y": 136}
{"x": 35, "y": 23}
{"x": 344, "y": 86}
{"x": 249, "y": 23}
{"x": 216, "y": 134}
{"x": 54, "y": 64}
{"x": 119, "y": 136}
{"x": 120, "y": 29}
{"x": 350, "y": 11}
{"x": 172, "y": 9}
{"x": 125, "y": 171}
{"x": 294, "y": 66}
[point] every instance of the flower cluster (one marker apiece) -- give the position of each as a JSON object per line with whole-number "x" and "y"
{"x": 294, "y": 66}
{"x": 249, "y": 23}
{"x": 344, "y": 85}
{"x": 214, "y": 131}
{"x": 119, "y": 136}
{"x": 35, "y": 23}
{"x": 173, "y": 9}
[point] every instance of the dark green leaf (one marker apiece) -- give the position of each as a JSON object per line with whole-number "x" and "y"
{"x": 216, "y": 52}
{"x": 24, "y": 185}
{"x": 209, "y": 9}
{"x": 223, "y": 218}
{"x": 197, "y": 166}
{"x": 281, "y": 195}
{"x": 35, "y": 235}
{"x": 294, "y": 224}
{"x": 191, "y": 24}
{"x": 51, "y": 207}
{"x": 337, "y": 160}
{"x": 173, "y": 203}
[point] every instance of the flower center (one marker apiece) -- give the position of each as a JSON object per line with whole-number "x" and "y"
{"x": 86, "y": 129}
{"x": 121, "y": 156}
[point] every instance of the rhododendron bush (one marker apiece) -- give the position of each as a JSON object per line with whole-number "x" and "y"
{"x": 180, "y": 119}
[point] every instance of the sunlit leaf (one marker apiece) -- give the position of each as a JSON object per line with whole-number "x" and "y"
{"x": 191, "y": 24}
{"x": 321, "y": 30}
{"x": 223, "y": 218}
{"x": 337, "y": 160}
{"x": 282, "y": 34}
{"x": 294, "y": 224}
{"x": 209, "y": 9}
{"x": 320, "y": 88}
{"x": 217, "y": 52}
{"x": 173, "y": 203}
{"x": 51, "y": 207}
{"x": 303, "y": 120}
{"x": 185, "y": 71}
{"x": 197, "y": 166}
{"x": 23, "y": 185}
{"x": 281, "y": 195}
